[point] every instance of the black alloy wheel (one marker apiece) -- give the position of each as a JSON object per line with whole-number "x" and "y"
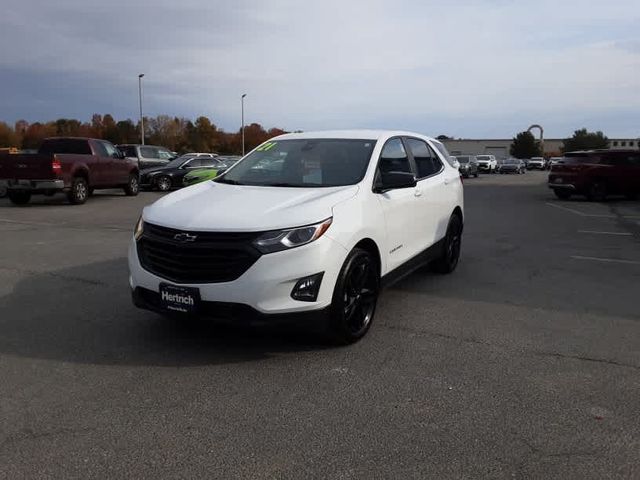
{"x": 452, "y": 247}
{"x": 355, "y": 297}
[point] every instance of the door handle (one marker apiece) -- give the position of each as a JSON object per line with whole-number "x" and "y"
{"x": 417, "y": 193}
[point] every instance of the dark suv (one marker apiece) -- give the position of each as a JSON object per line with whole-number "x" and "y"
{"x": 597, "y": 174}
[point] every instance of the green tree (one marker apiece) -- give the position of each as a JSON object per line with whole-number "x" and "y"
{"x": 525, "y": 146}
{"x": 585, "y": 140}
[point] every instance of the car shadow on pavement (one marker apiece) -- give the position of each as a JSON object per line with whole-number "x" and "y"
{"x": 84, "y": 314}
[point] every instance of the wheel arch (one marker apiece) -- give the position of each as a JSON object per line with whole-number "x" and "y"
{"x": 371, "y": 246}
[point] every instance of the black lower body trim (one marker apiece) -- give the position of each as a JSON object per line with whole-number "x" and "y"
{"x": 425, "y": 257}
{"x": 227, "y": 312}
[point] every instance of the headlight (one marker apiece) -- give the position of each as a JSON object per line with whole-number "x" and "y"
{"x": 279, "y": 240}
{"x": 139, "y": 230}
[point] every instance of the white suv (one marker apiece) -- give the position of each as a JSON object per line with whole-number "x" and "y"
{"x": 487, "y": 163}
{"x": 306, "y": 224}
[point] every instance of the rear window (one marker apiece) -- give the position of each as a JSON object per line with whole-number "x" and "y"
{"x": 483, "y": 157}
{"x": 579, "y": 157}
{"x": 65, "y": 145}
{"x": 128, "y": 150}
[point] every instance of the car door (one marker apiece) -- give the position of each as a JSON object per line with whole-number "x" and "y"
{"x": 99, "y": 174}
{"x": 118, "y": 170}
{"x": 431, "y": 189}
{"x": 398, "y": 206}
{"x": 189, "y": 166}
{"x": 150, "y": 157}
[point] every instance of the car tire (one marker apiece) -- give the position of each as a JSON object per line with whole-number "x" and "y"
{"x": 132, "y": 187}
{"x": 451, "y": 247}
{"x": 354, "y": 298}
{"x": 597, "y": 191}
{"x": 79, "y": 191}
{"x": 19, "y": 197}
{"x": 476, "y": 174}
{"x": 562, "y": 194}
{"x": 163, "y": 183}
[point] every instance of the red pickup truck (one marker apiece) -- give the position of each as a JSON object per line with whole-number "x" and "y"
{"x": 596, "y": 174}
{"x": 75, "y": 166}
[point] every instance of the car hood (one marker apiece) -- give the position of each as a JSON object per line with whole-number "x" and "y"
{"x": 212, "y": 206}
{"x": 147, "y": 171}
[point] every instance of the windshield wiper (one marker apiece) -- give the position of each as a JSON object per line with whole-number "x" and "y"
{"x": 229, "y": 181}
{"x": 283, "y": 184}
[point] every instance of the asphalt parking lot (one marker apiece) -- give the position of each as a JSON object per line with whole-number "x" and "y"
{"x": 525, "y": 363}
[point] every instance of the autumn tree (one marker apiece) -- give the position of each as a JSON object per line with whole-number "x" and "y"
{"x": 8, "y": 137}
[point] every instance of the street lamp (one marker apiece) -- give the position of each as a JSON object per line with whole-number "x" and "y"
{"x": 242, "y": 103}
{"x": 140, "y": 99}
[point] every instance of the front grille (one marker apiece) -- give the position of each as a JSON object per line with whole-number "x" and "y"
{"x": 211, "y": 257}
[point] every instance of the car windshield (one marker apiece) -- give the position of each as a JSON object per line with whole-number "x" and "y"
{"x": 463, "y": 159}
{"x": 483, "y": 157}
{"x": 510, "y": 161}
{"x": 303, "y": 163}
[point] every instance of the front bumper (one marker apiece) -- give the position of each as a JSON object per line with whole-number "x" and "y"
{"x": 32, "y": 185}
{"x": 484, "y": 167}
{"x": 266, "y": 286}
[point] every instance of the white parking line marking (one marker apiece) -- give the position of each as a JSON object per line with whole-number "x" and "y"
{"x": 606, "y": 260}
{"x": 626, "y": 234}
{"x": 21, "y": 222}
{"x": 595, "y": 215}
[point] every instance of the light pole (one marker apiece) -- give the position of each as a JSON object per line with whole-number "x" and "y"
{"x": 140, "y": 99}
{"x": 242, "y": 104}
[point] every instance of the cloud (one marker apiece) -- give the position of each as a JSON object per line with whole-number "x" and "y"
{"x": 463, "y": 67}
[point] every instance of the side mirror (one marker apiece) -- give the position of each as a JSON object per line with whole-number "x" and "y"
{"x": 395, "y": 180}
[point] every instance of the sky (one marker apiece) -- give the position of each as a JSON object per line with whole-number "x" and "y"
{"x": 468, "y": 68}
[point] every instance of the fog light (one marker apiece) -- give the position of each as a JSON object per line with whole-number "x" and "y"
{"x": 307, "y": 288}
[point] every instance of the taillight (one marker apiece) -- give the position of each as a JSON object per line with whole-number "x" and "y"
{"x": 56, "y": 166}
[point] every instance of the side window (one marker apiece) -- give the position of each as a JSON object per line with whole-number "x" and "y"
{"x": 111, "y": 150}
{"x": 100, "y": 149}
{"x": 394, "y": 157}
{"x": 194, "y": 163}
{"x": 427, "y": 162}
{"x": 164, "y": 154}
{"x": 208, "y": 162}
{"x": 149, "y": 152}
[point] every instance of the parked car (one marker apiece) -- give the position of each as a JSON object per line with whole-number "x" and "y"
{"x": 199, "y": 175}
{"x": 148, "y": 155}
{"x": 468, "y": 165}
{"x": 553, "y": 161}
{"x": 512, "y": 165}
{"x": 487, "y": 163}
{"x": 72, "y": 165}
{"x": 597, "y": 174}
{"x": 171, "y": 175}
{"x": 343, "y": 213}
{"x": 537, "y": 163}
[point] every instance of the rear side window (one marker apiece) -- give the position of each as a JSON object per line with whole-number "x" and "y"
{"x": 149, "y": 152}
{"x": 394, "y": 158}
{"x": 66, "y": 145}
{"x": 427, "y": 162}
{"x": 111, "y": 150}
